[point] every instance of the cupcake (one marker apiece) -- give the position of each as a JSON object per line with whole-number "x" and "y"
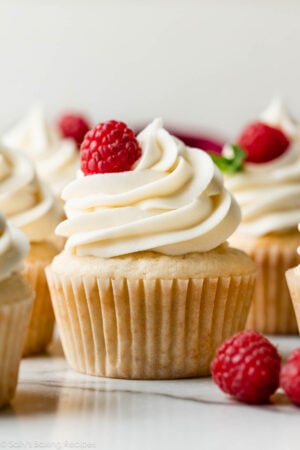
{"x": 147, "y": 287}
{"x": 293, "y": 281}
{"x": 31, "y": 207}
{"x": 263, "y": 173}
{"x": 16, "y": 298}
{"x": 56, "y": 158}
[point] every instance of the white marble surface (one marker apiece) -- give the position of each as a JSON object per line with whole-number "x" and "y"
{"x": 57, "y": 408}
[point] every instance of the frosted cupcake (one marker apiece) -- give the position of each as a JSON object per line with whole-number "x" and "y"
{"x": 267, "y": 187}
{"x": 147, "y": 286}
{"x": 293, "y": 280}
{"x": 31, "y": 206}
{"x": 56, "y": 159}
{"x": 16, "y": 298}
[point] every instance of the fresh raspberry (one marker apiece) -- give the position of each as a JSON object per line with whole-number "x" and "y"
{"x": 247, "y": 367}
{"x": 72, "y": 125}
{"x": 262, "y": 142}
{"x": 109, "y": 147}
{"x": 290, "y": 377}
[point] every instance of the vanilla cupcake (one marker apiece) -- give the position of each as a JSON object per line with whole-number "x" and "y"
{"x": 31, "y": 206}
{"x": 293, "y": 280}
{"x": 267, "y": 187}
{"x": 16, "y": 298}
{"x": 56, "y": 159}
{"x": 147, "y": 286}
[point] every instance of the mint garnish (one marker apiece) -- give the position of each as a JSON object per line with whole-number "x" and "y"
{"x": 230, "y": 164}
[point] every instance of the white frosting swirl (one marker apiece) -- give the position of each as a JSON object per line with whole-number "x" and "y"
{"x": 13, "y": 248}
{"x": 269, "y": 193}
{"x": 28, "y": 203}
{"x": 56, "y": 159}
{"x": 172, "y": 202}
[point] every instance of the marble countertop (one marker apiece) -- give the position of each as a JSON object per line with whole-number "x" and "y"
{"x": 57, "y": 408}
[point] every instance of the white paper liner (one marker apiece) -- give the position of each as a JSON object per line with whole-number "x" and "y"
{"x": 14, "y": 320}
{"x": 41, "y": 323}
{"x": 272, "y": 311}
{"x": 293, "y": 281}
{"x": 147, "y": 329}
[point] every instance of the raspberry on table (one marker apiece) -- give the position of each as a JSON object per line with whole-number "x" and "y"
{"x": 109, "y": 147}
{"x": 262, "y": 142}
{"x": 247, "y": 366}
{"x": 290, "y": 377}
{"x": 74, "y": 126}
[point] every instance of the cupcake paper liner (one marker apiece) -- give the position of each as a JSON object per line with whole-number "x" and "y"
{"x": 293, "y": 281}
{"x": 272, "y": 311}
{"x": 147, "y": 328}
{"x": 14, "y": 319}
{"x": 41, "y": 323}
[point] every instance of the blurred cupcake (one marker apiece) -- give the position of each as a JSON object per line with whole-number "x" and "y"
{"x": 16, "y": 298}
{"x": 147, "y": 286}
{"x": 56, "y": 159}
{"x": 266, "y": 185}
{"x": 293, "y": 280}
{"x": 31, "y": 207}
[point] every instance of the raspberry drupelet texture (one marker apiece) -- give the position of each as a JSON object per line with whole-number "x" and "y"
{"x": 74, "y": 126}
{"x": 290, "y": 377}
{"x": 109, "y": 147}
{"x": 262, "y": 143}
{"x": 247, "y": 366}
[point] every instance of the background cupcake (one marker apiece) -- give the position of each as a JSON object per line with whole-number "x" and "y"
{"x": 31, "y": 206}
{"x": 293, "y": 280}
{"x": 147, "y": 286}
{"x": 267, "y": 187}
{"x": 56, "y": 158}
{"x": 16, "y": 298}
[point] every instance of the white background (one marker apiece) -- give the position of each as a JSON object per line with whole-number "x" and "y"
{"x": 206, "y": 64}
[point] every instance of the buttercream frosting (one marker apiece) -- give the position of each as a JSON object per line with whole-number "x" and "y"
{"x": 56, "y": 159}
{"x": 28, "y": 203}
{"x": 172, "y": 202}
{"x": 13, "y": 248}
{"x": 269, "y": 193}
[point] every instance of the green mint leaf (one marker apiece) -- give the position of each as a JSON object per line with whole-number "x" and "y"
{"x": 230, "y": 165}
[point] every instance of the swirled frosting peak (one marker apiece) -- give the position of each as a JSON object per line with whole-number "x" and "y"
{"x": 269, "y": 193}
{"x": 13, "y": 248}
{"x": 56, "y": 159}
{"x": 172, "y": 202}
{"x": 26, "y": 202}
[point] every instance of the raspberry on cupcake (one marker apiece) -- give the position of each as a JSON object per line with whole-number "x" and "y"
{"x": 109, "y": 147}
{"x": 262, "y": 143}
{"x": 73, "y": 126}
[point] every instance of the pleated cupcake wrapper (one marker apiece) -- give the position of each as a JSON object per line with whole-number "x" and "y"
{"x": 147, "y": 329}
{"x": 272, "y": 311}
{"x": 14, "y": 320}
{"x": 41, "y": 323}
{"x": 293, "y": 282}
